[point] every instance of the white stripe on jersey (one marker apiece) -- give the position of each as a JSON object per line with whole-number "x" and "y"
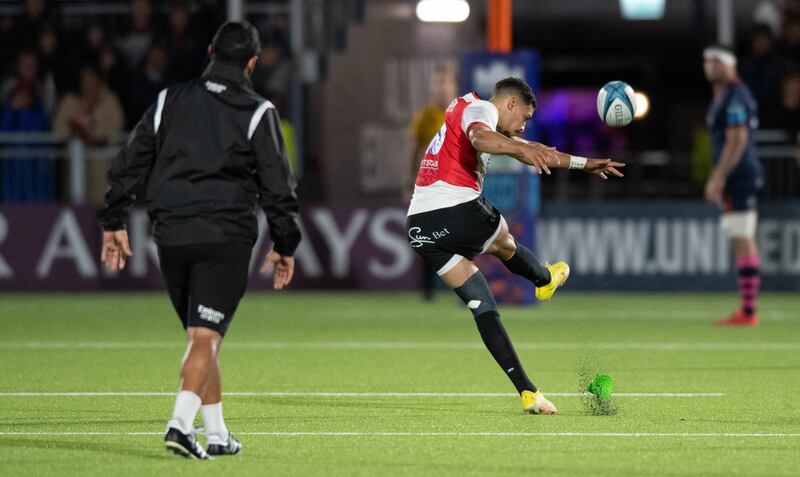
{"x": 257, "y": 118}
{"x": 439, "y": 195}
{"x": 162, "y": 96}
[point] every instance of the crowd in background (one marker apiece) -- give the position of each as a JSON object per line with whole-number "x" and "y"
{"x": 771, "y": 67}
{"x": 94, "y": 77}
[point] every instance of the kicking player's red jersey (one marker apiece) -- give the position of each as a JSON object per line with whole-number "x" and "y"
{"x": 452, "y": 171}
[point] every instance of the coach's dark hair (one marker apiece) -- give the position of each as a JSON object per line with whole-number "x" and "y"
{"x": 516, "y": 87}
{"x": 236, "y": 43}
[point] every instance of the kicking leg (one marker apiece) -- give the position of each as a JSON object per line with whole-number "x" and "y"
{"x": 520, "y": 260}
{"x": 473, "y": 289}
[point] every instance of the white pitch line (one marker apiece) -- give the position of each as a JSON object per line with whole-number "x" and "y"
{"x": 391, "y": 345}
{"x": 337, "y": 394}
{"x": 431, "y": 434}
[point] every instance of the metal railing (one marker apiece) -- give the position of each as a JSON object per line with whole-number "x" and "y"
{"x": 48, "y": 146}
{"x": 651, "y": 178}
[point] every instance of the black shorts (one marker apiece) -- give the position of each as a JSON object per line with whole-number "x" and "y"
{"x": 206, "y": 281}
{"x": 443, "y": 236}
{"x": 741, "y": 193}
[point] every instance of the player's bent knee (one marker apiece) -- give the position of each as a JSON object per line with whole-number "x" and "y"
{"x": 509, "y": 247}
{"x": 476, "y": 294}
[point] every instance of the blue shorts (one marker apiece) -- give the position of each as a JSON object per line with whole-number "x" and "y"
{"x": 741, "y": 194}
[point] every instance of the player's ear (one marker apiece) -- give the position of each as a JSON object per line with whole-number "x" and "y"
{"x": 251, "y": 65}
{"x": 512, "y": 101}
{"x": 210, "y": 50}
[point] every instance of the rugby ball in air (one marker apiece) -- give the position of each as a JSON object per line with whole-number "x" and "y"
{"x": 616, "y": 104}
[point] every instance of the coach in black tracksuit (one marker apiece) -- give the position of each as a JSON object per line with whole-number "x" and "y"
{"x": 210, "y": 152}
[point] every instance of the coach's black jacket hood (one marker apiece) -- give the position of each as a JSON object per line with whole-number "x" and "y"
{"x": 210, "y": 151}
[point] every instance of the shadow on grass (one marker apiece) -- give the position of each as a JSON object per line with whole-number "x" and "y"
{"x": 37, "y": 422}
{"x": 152, "y": 450}
{"x": 359, "y": 403}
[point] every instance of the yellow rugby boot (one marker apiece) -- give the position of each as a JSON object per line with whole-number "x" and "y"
{"x": 559, "y": 272}
{"x": 536, "y": 403}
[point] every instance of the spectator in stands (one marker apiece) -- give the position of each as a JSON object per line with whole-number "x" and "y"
{"x": 26, "y": 77}
{"x": 6, "y": 38}
{"x": 149, "y": 80}
{"x": 96, "y": 117}
{"x": 96, "y": 49}
{"x": 94, "y": 40}
{"x": 29, "y": 25}
{"x": 134, "y": 45}
{"x": 112, "y": 69}
{"x": 791, "y": 104}
{"x": 791, "y": 108}
{"x": 762, "y": 73}
{"x": 186, "y": 53}
{"x": 25, "y": 179}
{"x": 790, "y": 46}
{"x": 273, "y": 72}
{"x": 55, "y": 70}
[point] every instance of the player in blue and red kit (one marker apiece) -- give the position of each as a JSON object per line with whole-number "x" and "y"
{"x": 737, "y": 177}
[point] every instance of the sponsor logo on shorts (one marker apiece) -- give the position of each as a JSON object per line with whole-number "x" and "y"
{"x": 210, "y": 314}
{"x": 416, "y": 239}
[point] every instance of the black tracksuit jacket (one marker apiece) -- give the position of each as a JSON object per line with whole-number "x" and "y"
{"x": 209, "y": 151}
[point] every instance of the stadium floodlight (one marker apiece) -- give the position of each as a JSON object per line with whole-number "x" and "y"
{"x": 442, "y": 10}
{"x": 642, "y": 9}
{"x": 642, "y": 105}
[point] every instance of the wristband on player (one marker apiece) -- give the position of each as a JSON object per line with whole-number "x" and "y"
{"x": 577, "y": 162}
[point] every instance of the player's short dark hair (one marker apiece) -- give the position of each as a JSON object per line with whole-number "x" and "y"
{"x": 517, "y": 87}
{"x": 236, "y": 43}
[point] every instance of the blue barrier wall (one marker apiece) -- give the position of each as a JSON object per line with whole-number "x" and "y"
{"x": 663, "y": 245}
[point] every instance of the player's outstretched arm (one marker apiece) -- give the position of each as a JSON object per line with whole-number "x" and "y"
{"x": 600, "y": 167}
{"x": 603, "y": 168}
{"x": 491, "y": 142}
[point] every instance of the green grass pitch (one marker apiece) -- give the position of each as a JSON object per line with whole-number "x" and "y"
{"x": 387, "y": 363}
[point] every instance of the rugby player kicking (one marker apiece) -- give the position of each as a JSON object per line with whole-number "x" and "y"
{"x": 450, "y": 222}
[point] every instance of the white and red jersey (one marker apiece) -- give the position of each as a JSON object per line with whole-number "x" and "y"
{"x": 452, "y": 171}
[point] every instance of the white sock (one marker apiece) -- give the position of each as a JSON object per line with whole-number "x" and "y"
{"x": 186, "y": 405}
{"x": 213, "y": 420}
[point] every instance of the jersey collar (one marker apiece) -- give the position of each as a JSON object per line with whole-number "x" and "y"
{"x": 228, "y": 72}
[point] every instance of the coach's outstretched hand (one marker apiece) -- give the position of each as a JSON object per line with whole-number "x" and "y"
{"x": 284, "y": 269}
{"x": 603, "y": 167}
{"x": 115, "y": 249}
